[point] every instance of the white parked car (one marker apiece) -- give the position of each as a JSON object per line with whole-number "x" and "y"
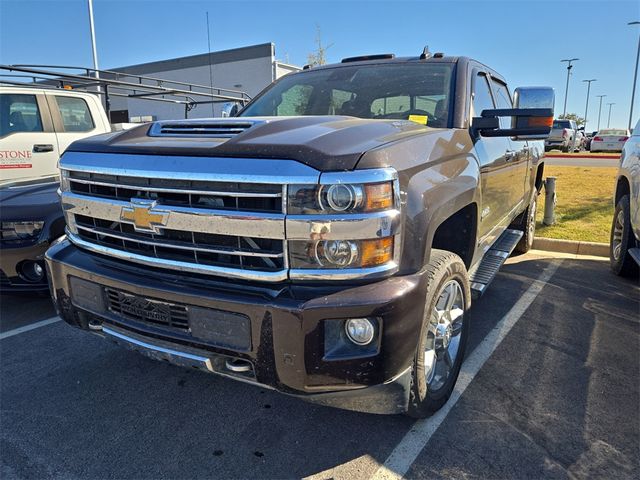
{"x": 37, "y": 125}
{"x": 609, "y": 140}
{"x": 625, "y": 230}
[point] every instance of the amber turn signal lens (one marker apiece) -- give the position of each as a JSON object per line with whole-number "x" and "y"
{"x": 376, "y": 252}
{"x": 540, "y": 121}
{"x": 379, "y": 196}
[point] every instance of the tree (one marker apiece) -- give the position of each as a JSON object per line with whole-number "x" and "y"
{"x": 572, "y": 116}
{"x": 318, "y": 57}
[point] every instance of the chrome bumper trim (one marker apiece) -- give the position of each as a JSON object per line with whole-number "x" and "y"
{"x": 204, "y": 361}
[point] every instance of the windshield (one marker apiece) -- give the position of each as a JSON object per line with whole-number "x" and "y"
{"x": 366, "y": 91}
{"x": 561, "y": 124}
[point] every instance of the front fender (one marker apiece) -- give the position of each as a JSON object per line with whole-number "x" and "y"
{"x": 439, "y": 175}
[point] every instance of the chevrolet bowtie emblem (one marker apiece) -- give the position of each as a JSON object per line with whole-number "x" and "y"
{"x": 141, "y": 215}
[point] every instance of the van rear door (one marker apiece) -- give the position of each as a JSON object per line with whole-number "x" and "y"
{"x": 28, "y": 144}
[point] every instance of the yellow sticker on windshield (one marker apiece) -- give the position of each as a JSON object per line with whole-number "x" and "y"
{"x": 421, "y": 119}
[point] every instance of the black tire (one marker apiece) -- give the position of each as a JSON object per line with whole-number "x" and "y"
{"x": 621, "y": 240}
{"x": 565, "y": 149}
{"x": 445, "y": 269}
{"x": 526, "y": 223}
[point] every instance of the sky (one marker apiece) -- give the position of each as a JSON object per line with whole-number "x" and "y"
{"x": 524, "y": 40}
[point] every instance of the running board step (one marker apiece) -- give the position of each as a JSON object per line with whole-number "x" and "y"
{"x": 635, "y": 254}
{"x": 495, "y": 257}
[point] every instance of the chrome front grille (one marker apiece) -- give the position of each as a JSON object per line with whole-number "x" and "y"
{"x": 245, "y": 253}
{"x": 220, "y": 216}
{"x": 212, "y": 220}
{"x": 238, "y": 196}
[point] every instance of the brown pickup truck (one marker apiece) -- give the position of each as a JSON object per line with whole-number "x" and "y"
{"x": 325, "y": 241}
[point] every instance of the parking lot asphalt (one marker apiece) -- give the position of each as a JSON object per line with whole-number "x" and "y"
{"x": 558, "y": 397}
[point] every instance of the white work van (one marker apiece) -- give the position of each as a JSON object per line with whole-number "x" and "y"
{"x": 37, "y": 125}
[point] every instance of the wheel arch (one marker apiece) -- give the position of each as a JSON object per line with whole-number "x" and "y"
{"x": 622, "y": 188}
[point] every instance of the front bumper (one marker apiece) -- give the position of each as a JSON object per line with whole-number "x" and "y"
{"x": 287, "y": 327}
{"x": 10, "y": 259}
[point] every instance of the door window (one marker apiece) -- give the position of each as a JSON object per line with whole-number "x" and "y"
{"x": 19, "y": 113}
{"x": 503, "y": 100}
{"x": 482, "y": 99}
{"x": 75, "y": 114}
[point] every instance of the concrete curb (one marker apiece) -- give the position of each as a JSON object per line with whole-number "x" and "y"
{"x": 571, "y": 246}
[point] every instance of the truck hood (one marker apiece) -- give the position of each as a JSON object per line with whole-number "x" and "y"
{"x": 326, "y": 143}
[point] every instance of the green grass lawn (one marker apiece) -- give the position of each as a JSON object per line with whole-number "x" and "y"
{"x": 582, "y": 154}
{"x": 584, "y": 208}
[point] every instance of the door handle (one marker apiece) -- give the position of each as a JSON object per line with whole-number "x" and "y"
{"x": 41, "y": 148}
{"x": 510, "y": 155}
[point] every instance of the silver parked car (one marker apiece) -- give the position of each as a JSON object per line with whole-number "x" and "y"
{"x": 625, "y": 231}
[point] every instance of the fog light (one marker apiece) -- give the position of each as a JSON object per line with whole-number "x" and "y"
{"x": 31, "y": 271}
{"x": 360, "y": 330}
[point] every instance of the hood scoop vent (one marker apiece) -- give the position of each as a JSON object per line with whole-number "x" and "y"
{"x": 200, "y": 128}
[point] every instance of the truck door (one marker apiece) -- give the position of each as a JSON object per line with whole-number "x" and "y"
{"x": 495, "y": 167}
{"x": 73, "y": 118}
{"x": 518, "y": 156}
{"x": 28, "y": 146}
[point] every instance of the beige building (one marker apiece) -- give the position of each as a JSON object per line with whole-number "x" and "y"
{"x": 249, "y": 69}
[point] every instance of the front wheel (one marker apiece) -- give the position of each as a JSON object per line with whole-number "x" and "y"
{"x": 527, "y": 225}
{"x": 622, "y": 240}
{"x": 443, "y": 336}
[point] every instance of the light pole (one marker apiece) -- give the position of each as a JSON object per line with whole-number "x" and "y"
{"x": 566, "y": 90}
{"x": 609, "y": 119}
{"x": 586, "y": 108}
{"x": 93, "y": 47}
{"x": 600, "y": 109}
{"x": 93, "y": 37}
{"x": 635, "y": 77}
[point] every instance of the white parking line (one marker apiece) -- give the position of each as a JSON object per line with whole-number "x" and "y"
{"x": 405, "y": 453}
{"x": 27, "y": 328}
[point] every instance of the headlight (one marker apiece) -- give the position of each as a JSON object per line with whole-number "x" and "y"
{"x": 346, "y": 222}
{"x": 20, "y": 230}
{"x": 336, "y": 254}
{"x": 340, "y": 198}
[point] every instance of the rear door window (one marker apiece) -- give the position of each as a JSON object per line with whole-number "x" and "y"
{"x": 75, "y": 113}
{"x": 388, "y": 105}
{"x": 19, "y": 113}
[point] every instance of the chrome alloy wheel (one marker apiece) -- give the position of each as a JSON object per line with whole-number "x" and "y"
{"x": 443, "y": 335}
{"x": 618, "y": 232}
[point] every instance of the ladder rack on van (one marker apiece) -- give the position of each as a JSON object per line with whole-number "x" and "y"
{"x": 111, "y": 83}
